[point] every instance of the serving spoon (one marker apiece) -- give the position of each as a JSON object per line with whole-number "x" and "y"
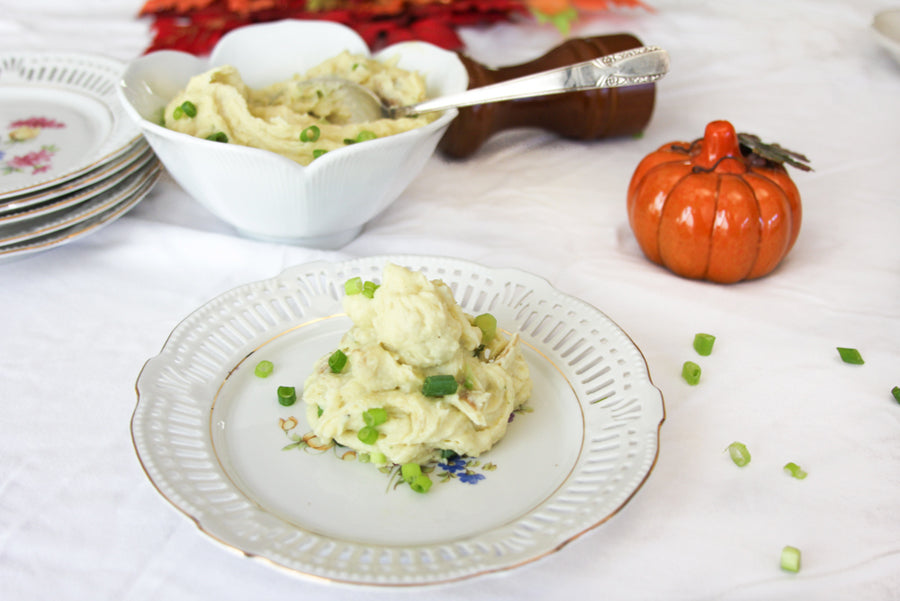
{"x": 642, "y": 65}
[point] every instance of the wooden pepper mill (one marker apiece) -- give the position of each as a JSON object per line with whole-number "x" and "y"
{"x": 584, "y": 115}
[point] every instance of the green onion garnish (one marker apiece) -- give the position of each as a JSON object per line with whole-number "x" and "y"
{"x": 794, "y": 470}
{"x": 469, "y": 380}
{"x": 421, "y": 484}
{"x": 487, "y": 323}
{"x": 337, "y": 361}
{"x": 319, "y": 411}
{"x": 378, "y": 458}
{"x": 703, "y": 344}
{"x": 177, "y": 113}
{"x": 318, "y": 152}
{"x": 287, "y": 395}
{"x": 365, "y": 135}
{"x": 217, "y": 137}
{"x": 439, "y": 385}
{"x": 410, "y": 471}
{"x": 896, "y": 392}
{"x": 189, "y": 108}
{"x": 310, "y": 134}
{"x": 369, "y": 289}
{"x": 353, "y": 286}
{"x": 375, "y": 416}
{"x": 850, "y": 355}
{"x": 367, "y": 435}
{"x": 739, "y": 453}
{"x": 790, "y": 559}
{"x": 690, "y": 371}
{"x": 264, "y": 369}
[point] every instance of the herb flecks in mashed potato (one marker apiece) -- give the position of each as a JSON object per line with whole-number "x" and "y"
{"x": 408, "y": 330}
{"x": 274, "y": 118}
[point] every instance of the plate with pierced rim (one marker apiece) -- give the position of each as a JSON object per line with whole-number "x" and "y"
{"x": 215, "y": 442}
{"x": 59, "y": 117}
{"x": 88, "y": 225}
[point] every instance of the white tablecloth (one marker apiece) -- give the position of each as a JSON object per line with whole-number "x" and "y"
{"x": 79, "y": 519}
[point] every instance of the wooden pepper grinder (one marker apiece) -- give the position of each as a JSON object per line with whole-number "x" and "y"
{"x": 585, "y": 115}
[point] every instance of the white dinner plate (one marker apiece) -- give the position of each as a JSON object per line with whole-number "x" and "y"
{"x": 215, "y": 442}
{"x": 59, "y": 117}
{"x": 92, "y": 223}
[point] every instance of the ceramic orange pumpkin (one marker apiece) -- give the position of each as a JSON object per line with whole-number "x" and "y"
{"x": 712, "y": 210}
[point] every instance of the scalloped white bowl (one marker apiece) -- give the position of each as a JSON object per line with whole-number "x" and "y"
{"x": 262, "y": 194}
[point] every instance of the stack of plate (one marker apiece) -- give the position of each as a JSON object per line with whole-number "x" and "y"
{"x": 70, "y": 159}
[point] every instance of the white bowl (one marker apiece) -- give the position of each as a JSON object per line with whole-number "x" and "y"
{"x": 886, "y": 27}
{"x": 262, "y": 194}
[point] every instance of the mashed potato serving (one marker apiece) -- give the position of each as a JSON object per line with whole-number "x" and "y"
{"x": 415, "y": 375}
{"x": 293, "y": 118}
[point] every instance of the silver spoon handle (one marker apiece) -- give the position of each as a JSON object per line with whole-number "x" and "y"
{"x": 630, "y": 67}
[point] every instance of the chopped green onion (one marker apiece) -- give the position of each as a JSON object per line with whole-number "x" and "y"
{"x": 739, "y": 453}
{"x": 850, "y": 355}
{"x": 421, "y": 484}
{"x": 469, "y": 380}
{"x": 377, "y": 458}
{"x": 319, "y": 411}
{"x": 375, "y": 417}
{"x": 365, "y": 135}
{"x": 410, "y": 471}
{"x": 337, "y": 361}
{"x": 367, "y": 435}
{"x": 790, "y": 559}
{"x": 794, "y": 470}
{"x": 690, "y": 371}
{"x": 217, "y": 137}
{"x": 264, "y": 369}
{"x": 318, "y": 152}
{"x": 439, "y": 385}
{"x": 189, "y": 108}
{"x": 353, "y": 286}
{"x": 896, "y": 392}
{"x": 487, "y": 323}
{"x": 369, "y": 289}
{"x": 310, "y": 134}
{"x": 703, "y": 344}
{"x": 177, "y": 113}
{"x": 287, "y": 395}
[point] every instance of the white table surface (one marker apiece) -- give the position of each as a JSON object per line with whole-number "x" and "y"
{"x": 79, "y": 519}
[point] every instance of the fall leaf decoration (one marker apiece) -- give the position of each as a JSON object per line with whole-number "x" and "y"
{"x": 195, "y": 26}
{"x": 754, "y": 148}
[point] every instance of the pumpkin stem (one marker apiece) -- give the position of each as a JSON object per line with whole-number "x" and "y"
{"x": 720, "y": 142}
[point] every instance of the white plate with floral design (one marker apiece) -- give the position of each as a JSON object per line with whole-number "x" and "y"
{"x": 59, "y": 117}
{"x": 216, "y": 443}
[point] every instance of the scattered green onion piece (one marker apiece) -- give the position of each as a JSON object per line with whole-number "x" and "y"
{"x": 217, "y": 137}
{"x": 369, "y": 289}
{"x": 264, "y": 369}
{"x": 337, "y": 361}
{"x": 790, "y": 559}
{"x": 487, "y": 323}
{"x": 469, "y": 380}
{"x": 795, "y": 470}
{"x": 319, "y": 411}
{"x": 375, "y": 417}
{"x": 353, "y": 286}
{"x": 349, "y": 141}
{"x": 703, "y": 344}
{"x": 377, "y": 458}
{"x": 320, "y": 94}
{"x": 410, "y": 471}
{"x": 318, "y": 152}
{"x": 287, "y": 395}
{"x": 310, "y": 134}
{"x": 189, "y": 108}
{"x": 739, "y": 453}
{"x": 367, "y": 435}
{"x": 896, "y": 392}
{"x": 850, "y": 355}
{"x": 365, "y": 135}
{"x": 690, "y": 371}
{"x": 421, "y": 484}
{"x": 177, "y": 113}
{"x": 439, "y": 385}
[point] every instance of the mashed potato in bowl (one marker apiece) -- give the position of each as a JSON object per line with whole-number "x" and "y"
{"x": 293, "y": 118}
{"x": 406, "y": 335}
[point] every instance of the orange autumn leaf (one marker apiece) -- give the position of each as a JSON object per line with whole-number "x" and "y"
{"x": 179, "y": 6}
